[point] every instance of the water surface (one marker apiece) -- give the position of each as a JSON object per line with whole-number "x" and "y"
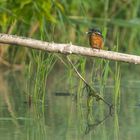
{"x": 62, "y": 117}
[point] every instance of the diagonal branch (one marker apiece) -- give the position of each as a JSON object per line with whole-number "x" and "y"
{"x": 68, "y": 49}
{"x": 91, "y": 91}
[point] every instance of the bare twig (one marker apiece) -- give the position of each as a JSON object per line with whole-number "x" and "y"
{"x": 91, "y": 91}
{"x": 77, "y": 71}
{"x": 68, "y": 49}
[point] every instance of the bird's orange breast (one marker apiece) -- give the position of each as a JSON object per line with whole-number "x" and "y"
{"x": 96, "y": 41}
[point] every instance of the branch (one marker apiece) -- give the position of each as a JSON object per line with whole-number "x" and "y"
{"x": 91, "y": 91}
{"x": 68, "y": 49}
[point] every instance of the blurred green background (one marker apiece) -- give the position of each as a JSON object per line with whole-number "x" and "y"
{"x": 29, "y": 107}
{"x": 67, "y": 21}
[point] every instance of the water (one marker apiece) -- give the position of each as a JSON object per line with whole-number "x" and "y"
{"x": 60, "y": 117}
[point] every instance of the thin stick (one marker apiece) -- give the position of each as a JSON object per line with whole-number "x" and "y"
{"x": 76, "y": 71}
{"x": 92, "y": 91}
{"x": 67, "y": 49}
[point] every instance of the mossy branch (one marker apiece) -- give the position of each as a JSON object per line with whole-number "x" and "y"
{"x": 68, "y": 49}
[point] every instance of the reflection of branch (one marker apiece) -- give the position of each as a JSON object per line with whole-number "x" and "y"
{"x": 93, "y": 126}
{"x": 90, "y": 90}
{"x": 6, "y": 96}
{"x": 15, "y": 67}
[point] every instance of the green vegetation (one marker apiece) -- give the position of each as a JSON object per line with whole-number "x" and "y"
{"x": 65, "y": 21}
{"x": 45, "y": 20}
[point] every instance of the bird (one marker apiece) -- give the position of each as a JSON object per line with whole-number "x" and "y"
{"x": 95, "y": 38}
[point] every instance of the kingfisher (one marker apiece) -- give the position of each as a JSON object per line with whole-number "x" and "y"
{"x": 95, "y": 38}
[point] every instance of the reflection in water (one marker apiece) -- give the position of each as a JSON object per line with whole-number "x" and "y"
{"x": 94, "y": 125}
{"x": 7, "y": 99}
{"x": 28, "y": 101}
{"x": 61, "y": 117}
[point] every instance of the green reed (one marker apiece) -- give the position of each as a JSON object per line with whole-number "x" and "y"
{"x": 74, "y": 18}
{"x": 46, "y": 21}
{"x": 116, "y": 94}
{"x": 117, "y": 79}
{"x": 116, "y": 99}
{"x": 39, "y": 68}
